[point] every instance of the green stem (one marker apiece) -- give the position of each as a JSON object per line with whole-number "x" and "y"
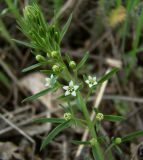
{"x": 91, "y": 129}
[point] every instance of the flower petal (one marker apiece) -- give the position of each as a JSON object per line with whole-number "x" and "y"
{"x": 76, "y": 87}
{"x": 67, "y": 93}
{"x": 47, "y": 79}
{"x": 94, "y": 78}
{"x": 87, "y": 81}
{"x": 65, "y": 87}
{"x": 52, "y": 76}
{"x": 71, "y": 83}
{"x": 47, "y": 84}
{"x": 89, "y": 77}
{"x": 90, "y": 85}
{"x": 73, "y": 93}
{"x": 95, "y": 83}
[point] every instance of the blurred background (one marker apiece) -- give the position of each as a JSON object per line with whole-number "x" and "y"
{"x": 111, "y": 30}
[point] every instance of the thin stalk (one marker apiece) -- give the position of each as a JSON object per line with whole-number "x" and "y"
{"x": 92, "y": 130}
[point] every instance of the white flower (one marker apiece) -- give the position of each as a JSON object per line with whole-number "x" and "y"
{"x": 71, "y": 89}
{"x": 91, "y": 81}
{"x": 50, "y": 81}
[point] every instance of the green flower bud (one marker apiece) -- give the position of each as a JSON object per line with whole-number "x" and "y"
{"x": 99, "y": 116}
{"x": 54, "y": 54}
{"x": 67, "y": 116}
{"x": 56, "y": 68}
{"x": 40, "y": 58}
{"x": 93, "y": 141}
{"x": 72, "y": 64}
{"x": 118, "y": 140}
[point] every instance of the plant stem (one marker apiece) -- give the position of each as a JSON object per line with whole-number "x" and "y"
{"x": 91, "y": 130}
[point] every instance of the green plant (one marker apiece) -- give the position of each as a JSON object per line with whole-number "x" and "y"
{"x": 45, "y": 40}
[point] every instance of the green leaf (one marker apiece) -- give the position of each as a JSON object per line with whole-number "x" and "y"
{"x": 66, "y": 26}
{"x": 80, "y": 142}
{"x": 37, "y": 95}
{"x": 53, "y": 133}
{"x": 82, "y": 62}
{"x": 132, "y": 135}
{"x": 32, "y": 67}
{"x": 98, "y": 125}
{"x": 96, "y": 153}
{"x": 46, "y": 71}
{"x": 108, "y": 75}
{"x": 23, "y": 43}
{"x": 51, "y": 120}
{"x": 113, "y": 118}
{"x": 4, "y": 79}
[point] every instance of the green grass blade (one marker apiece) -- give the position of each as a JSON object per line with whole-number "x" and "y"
{"x": 132, "y": 135}
{"x": 54, "y": 133}
{"x": 138, "y": 33}
{"x": 82, "y": 62}
{"x": 51, "y": 120}
{"x": 66, "y": 26}
{"x": 80, "y": 142}
{"x": 23, "y": 43}
{"x": 32, "y": 67}
{"x": 95, "y": 153}
{"x": 4, "y": 79}
{"x": 113, "y": 118}
{"x": 108, "y": 75}
{"x": 37, "y": 95}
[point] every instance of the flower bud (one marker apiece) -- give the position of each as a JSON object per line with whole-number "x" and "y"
{"x": 72, "y": 64}
{"x": 118, "y": 140}
{"x": 56, "y": 68}
{"x": 93, "y": 141}
{"x": 54, "y": 54}
{"x": 40, "y": 58}
{"x": 99, "y": 116}
{"x": 67, "y": 116}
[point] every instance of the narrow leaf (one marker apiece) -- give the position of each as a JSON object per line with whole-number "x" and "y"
{"x": 132, "y": 135}
{"x": 32, "y": 67}
{"x": 66, "y": 26}
{"x": 23, "y": 43}
{"x": 96, "y": 154}
{"x": 108, "y": 75}
{"x": 37, "y": 95}
{"x": 113, "y": 118}
{"x": 4, "y": 79}
{"x": 51, "y": 120}
{"x": 80, "y": 142}
{"x": 82, "y": 62}
{"x": 53, "y": 133}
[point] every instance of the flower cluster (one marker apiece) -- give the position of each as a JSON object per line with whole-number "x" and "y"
{"x": 71, "y": 89}
{"x": 99, "y": 116}
{"x": 67, "y": 116}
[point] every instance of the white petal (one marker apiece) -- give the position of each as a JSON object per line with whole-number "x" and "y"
{"x": 47, "y": 79}
{"x": 87, "y": 81}
{"x": 71, "y": 83}
{"x": 47, "y": 84}
{"x": 89, "y": 77}
{"x": 90, "y": 85}
{"x": 95, "y": 83}
{"x": 94, "y": 78}
{"x": 73, "y": 93}
{"x": 76, "y": 87}
{"x": 65, "y": 87}
{"x": 52, "y": 76}
{"x": 67, "y": 93}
